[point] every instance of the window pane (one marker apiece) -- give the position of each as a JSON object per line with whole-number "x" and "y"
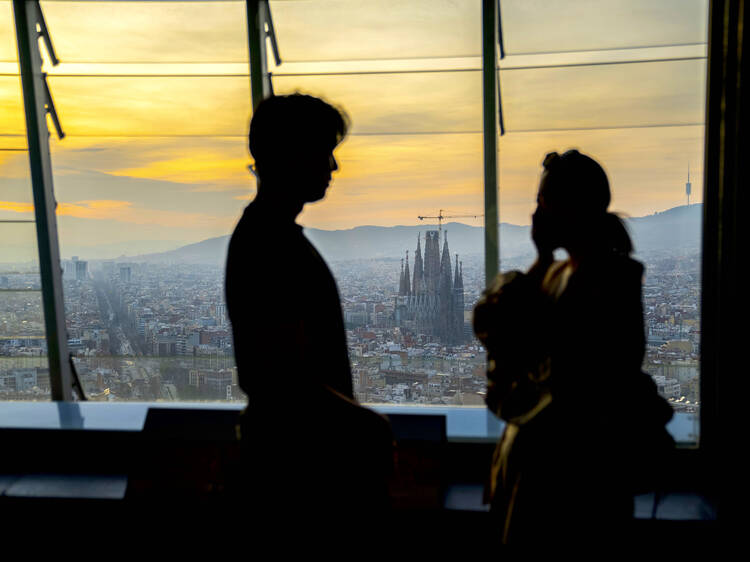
{"x": 420, "y": 102}
{"x": 150, "y": 218}
{"x": 154, "y": 98}
{"x": 11, "y": 110}
{"x": 148, "y": 31}
{"x": 358, "y": 29}
{"x": 575, "y": 25}
{"x": 612, "y": 95}
{"x": 414, "y": 154}
{"x": 24, "y": 371}
{"x": 644, "y": 122}
{"x": 407, "y": 346}
{"x": 161, "y": 106}
{"x": 8, "y": 50}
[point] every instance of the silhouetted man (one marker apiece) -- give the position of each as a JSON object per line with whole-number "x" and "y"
{"x": 307, "y": 444}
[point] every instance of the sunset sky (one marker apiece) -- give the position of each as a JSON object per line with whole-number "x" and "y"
{"x": 151, "y": 162}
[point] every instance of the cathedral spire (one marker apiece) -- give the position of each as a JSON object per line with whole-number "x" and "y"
{"x": 446, "y": 282}
{"x": 401, "y": 280}
{"x": 407, "y": 286}
{"x": 445, "y": 260}
{"x": 455, "y": 277}
{"x": 417, "y": 286}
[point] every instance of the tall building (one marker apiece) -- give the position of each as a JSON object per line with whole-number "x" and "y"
{"x": 432, "y": 300}
{"x": 81, "y": 270}
{"x": 221, "y": 313}
{"x": 125, "y": 273}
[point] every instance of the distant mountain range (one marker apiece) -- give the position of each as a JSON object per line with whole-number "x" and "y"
{"x": 677, "y": 229}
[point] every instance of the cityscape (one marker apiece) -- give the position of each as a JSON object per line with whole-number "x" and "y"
{"x": 155, "y": 330}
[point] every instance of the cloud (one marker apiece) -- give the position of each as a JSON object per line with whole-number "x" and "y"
{"x": 16, "y": 207}
{"x": 122, "y": 211}
{"x": 95, "y": 209}
{"x": 127, "y": 212}
{"x": 210, "y": 169}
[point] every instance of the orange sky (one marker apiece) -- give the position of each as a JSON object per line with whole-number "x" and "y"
{"x": 415, "y": 146}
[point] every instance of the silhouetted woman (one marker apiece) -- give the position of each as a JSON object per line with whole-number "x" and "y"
{"x": 565, "y": 346}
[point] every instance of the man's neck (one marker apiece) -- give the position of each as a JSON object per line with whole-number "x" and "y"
{"x": 275, "y": 201}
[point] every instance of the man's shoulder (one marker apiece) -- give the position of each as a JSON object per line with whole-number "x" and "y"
{"x": 250, "y": 220}
{"x": 259, "y": 233}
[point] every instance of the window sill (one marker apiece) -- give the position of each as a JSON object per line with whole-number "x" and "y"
{"x": 463, "y": 424}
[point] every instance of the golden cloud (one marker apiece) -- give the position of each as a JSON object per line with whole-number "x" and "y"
{"x": 16, "y": 207}
{"x": 123, "y": 211}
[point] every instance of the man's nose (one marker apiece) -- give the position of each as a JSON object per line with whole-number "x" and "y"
{"x": 333, "y": 164}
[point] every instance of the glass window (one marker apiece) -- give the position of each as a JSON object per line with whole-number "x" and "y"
{"x": 345, "y": 30}
{"x": 410, "y": 179}
{"x": 575, "y": 25}
{"x": 151, "y": 177}
{"x": 154, "y": 98}
{"x": 24, "y": 369}
{"x": 635, "y": 100}
{"x": 148, "y": 32}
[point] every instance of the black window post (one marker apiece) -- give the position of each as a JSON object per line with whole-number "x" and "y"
{"x": 37, "y": 104}
{"x": 489, "y": 128}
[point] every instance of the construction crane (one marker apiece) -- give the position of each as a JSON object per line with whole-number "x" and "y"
{"x": 440, "y": 216}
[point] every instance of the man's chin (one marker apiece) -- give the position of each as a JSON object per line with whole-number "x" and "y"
{"x": 317, "y": 195}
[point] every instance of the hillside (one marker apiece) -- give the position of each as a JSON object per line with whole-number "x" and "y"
{"x": 677, "y": 228}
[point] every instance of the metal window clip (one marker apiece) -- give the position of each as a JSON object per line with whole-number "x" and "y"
{"x": 270, "y": 32}
{"x": 44, "y": 33}
{"x": 49, "y": 107}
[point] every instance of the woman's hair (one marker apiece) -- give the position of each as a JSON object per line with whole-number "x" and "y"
{"x": 576, "y": 184}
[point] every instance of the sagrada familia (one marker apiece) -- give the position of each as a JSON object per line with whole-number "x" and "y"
{"x": 432, "y": 301}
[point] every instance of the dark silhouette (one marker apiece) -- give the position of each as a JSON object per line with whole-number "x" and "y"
{"x": 307, "y": 445}
{"x": 565, "y": 341}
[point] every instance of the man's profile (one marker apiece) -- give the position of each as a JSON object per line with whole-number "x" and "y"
{"x": 304, "y": 437}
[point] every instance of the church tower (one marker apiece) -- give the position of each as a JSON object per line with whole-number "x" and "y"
{"x": 407, "y": 275}
{"x": 445, "y": 300}
{"x": 458, "y": 303}
{"x": 418, "y": 286}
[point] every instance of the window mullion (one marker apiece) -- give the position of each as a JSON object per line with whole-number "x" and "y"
{"x": 37, "y": 103}
{"x": 490, "y": 126}
{"x": 259, "y": 29}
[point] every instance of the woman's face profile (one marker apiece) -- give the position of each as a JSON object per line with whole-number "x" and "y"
{"x": 549, "y": 217}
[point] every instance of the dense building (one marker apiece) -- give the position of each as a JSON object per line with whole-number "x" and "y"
{"x": 432, "y": 301}
{"x": 81, "y": 270}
